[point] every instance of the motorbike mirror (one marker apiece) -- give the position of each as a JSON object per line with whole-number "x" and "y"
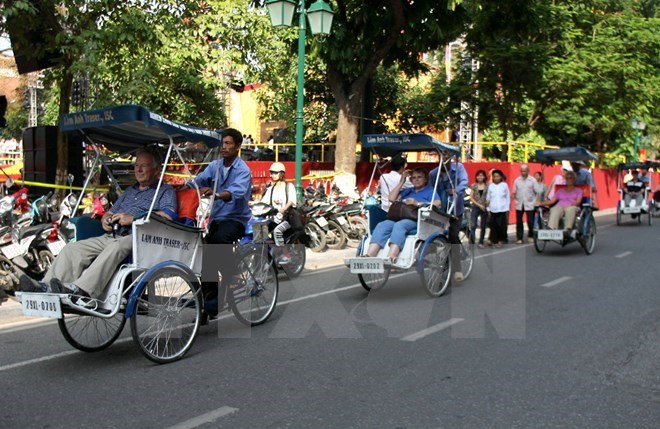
{"x": 9, "y": 182}
{"x": 70, "y": 178}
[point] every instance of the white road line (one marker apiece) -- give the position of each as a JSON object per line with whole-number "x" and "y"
{"x": 624, "y": 254}
{"x": 432, "y": 329}
{"x": 203, "y": 419}
{"x": 557, "y": 281}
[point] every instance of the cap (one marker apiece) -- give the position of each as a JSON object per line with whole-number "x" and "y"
{"x": 277, "y": 166}
{"x": 565, "y": 165}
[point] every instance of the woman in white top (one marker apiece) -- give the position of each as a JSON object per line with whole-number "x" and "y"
{"x": 282, "y": 196}
{"x": 498, "y": 203}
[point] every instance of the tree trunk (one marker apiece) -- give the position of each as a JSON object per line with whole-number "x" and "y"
{"x": 599, "y": 145}
{"x": 62, "y": 141}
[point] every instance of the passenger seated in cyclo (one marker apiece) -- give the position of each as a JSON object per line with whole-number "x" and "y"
{"x": 395, "y": 231}
{"x": 282, "y": 196}
{"x": 86, "y": 267}
{"x": 633, "y": 194}
{"x": 567, "y": 201}
{"x": 584, "y": 177}
{"x": 231, "y": 180}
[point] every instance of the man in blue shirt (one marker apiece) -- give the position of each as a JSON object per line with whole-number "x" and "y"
{"x": 231, "y": 180}
{"x": 451, "y": 188}
{"x": 85, "y": 267}
{"x": 583, "y": 177}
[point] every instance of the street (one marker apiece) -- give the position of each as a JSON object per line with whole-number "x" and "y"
{"x": 558, "y": 339}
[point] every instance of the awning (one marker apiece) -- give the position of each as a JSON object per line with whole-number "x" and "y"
{"x": 393, "y": 144}
{"x": 570, "y": 154}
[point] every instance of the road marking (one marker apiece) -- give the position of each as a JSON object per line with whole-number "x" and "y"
{"x": 432, "y": 329}
{"x": 624, "y": 254}
{"x": 557, "y": 281}
{"x": 203, "y": 419}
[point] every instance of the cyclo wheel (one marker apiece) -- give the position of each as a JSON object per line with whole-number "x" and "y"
{"x": 618, "y": 215}
{"x": 539, "y": 245}
{"x": 649, "y": 213}
{"x": 335, "y": 237}
{"x": 316, "y": 236}
{"x": 91, "y": 333}
{"x": 374, "y": 281}
{"x": 254, "y": 298}
{"x": 436, "y": 264}
{"x": 467, "y": 252}
{"x": 168, "y": 315}
{"x": 589, "y": 235}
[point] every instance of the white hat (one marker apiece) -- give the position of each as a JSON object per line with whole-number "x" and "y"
{"x": 565, "y": 165}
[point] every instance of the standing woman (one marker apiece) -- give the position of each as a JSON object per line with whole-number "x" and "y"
{"x": 282, "y": 196}
{"x": 498, "y": 202}
{"x": 478, "y": 199}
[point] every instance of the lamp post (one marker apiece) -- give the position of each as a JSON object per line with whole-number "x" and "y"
{"x": 637, "y": 125}
{"x": 320, "y": 20}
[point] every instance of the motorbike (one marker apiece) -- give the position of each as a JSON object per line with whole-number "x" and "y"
{"x": 30, "y": 248}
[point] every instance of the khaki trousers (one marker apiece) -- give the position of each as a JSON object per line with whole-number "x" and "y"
{"x": 90, "y": 264}
{"x": 568, "y": 212}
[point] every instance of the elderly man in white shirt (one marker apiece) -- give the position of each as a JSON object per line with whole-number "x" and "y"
{"x": 525, "y": 194}
{"x": 389, "y": 181}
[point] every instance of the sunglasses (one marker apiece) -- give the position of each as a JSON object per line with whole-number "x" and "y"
{"x": 275, "y": 172}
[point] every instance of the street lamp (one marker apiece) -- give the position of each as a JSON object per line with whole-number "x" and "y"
{"x": 637, "y": 125}
{"x": 320, "y": 16}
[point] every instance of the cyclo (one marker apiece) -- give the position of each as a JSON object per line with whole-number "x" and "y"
{"x": 426, "y": 248}
{"x": 628, "y": 204}
{"x": 158, "y": 287}
{"x": 584, "y": 228}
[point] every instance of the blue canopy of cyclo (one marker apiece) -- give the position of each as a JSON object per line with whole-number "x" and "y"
{"x": 571, "y": 154}
{"x": 640, "y": 164}
{"x": 131, "y": 126}
{"x": 393, "y": 144}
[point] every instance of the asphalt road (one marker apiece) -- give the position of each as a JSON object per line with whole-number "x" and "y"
{"x": 559, "y": 339}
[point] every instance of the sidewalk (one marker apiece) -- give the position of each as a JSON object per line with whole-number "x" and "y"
{"x": 11, "y": 312}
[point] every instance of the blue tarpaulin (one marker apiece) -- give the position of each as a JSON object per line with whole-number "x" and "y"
{"x": 392, "y": 144}
{"x": 131, "y": 126}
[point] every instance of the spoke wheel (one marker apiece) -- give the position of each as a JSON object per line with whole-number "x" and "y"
{"x": 358, "y": 230}
{"x": 650, "y": 214}
{"x": 335, "y": 237}
{"x": 618, "y": 216}
{"x": 539, "y": 245}
{"x": 298, "y": 259}
{"x": 467, "y": 252}
{"x": 589, "y": 236}
{"x": 253, "y": 298}
{"x": 91, "y": 333}
{"x": 46, "y": 259}
{"x": 436, "y": 267}
{"x": 168, "y": 315}
{"x": 373, "y": 281}
{"x": 316, "y": 236}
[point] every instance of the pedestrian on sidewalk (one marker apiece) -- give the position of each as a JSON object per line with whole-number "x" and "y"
{"x": 525, "y": 194}
{"x": 478, "y": 199}
{"x": 498, "y": 201}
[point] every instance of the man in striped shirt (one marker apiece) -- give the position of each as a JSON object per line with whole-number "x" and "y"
{"x": 86, "y": 267}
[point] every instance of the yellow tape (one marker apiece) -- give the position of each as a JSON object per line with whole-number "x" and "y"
{"x": 52, "y": 186}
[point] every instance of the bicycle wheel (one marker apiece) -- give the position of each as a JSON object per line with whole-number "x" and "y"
{"x": 316, "y": 236}
{"x": 358, "y": 230}
{"x": 589, "y": 235}
{"x": 436, "y": 264}
{"x": 539, "y": 223}
{"x": 91, "y": 333}
{"x": 253, "y": 299}
{"x": 335, "y": 237}
{"x": 467, "y": 252}
{"x": 298, "y": 258}
{"x": 618, "y": 216}
{"x": 168, "y": 315}
{"x": 649, "y": 213}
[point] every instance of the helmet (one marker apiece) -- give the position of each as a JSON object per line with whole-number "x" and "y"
{"x": 277, "y": 166}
